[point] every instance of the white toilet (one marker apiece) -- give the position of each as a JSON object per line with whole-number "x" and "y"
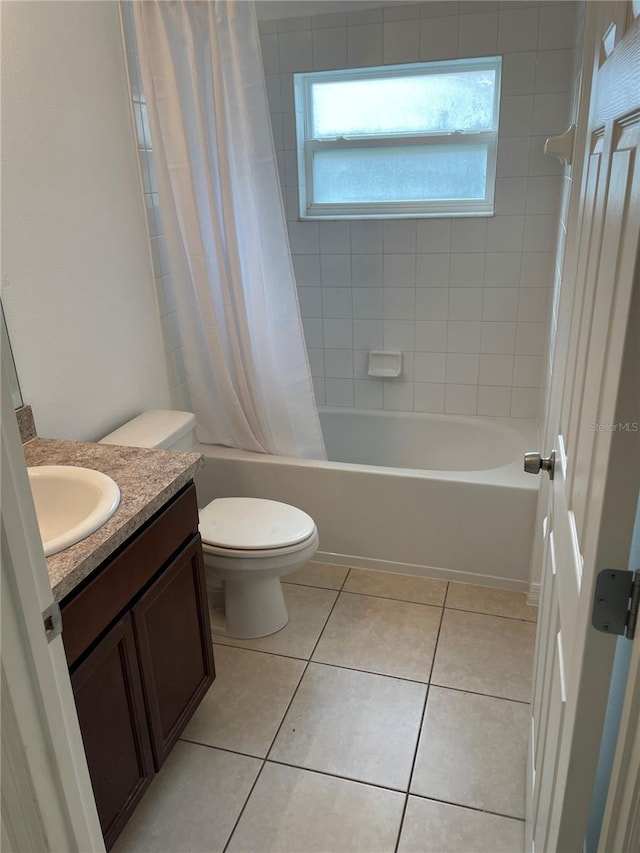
{"x": 248, "y": 543}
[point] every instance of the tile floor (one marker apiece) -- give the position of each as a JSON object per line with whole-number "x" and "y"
{"x": 391, "y": 714}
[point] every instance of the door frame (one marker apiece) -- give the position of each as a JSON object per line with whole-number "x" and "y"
{"x": 621, "y": 822}
{"x": 620, "y": 830}
{"x": 47, "y": 795}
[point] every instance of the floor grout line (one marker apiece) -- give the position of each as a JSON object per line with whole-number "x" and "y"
{"x": 307, "y": 661}
{"x": 420, "y": 727}
{"x": 357, "y": 781}
{"x": 371, "y": 671}
{"x": 430, "y": 683}
{"x": 259, "y": 651}
{"x": 368, "y": 672}
{"x": 390, "y": 598}
{"x": 477, "y": 693}
{"x": 422, "y": 603}
{"x": 295, "y": 692}
{"x": 223, "y": 749}
{"x": 244, "y": 805}
{"x": 469, "y": 808}
{"x": 304, "y": 671}
{"x": 336, "y": 776}
{"x": 494, "y": 615}
{"x": 374, "y": 595}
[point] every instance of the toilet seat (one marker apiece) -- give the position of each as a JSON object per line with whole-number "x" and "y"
{"x": 253, "y": 553}
{"x": 255, "y": 527}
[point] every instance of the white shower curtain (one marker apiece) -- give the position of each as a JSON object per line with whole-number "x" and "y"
{"x": 237, "y": 307}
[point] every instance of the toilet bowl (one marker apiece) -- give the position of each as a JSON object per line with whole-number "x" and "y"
{"x": 248, "y": 543}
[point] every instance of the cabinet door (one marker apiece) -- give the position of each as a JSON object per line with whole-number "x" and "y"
{"x": 110, "y": 705}
{"x": 173, "y": 634}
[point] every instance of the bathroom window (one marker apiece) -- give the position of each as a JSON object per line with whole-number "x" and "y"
{"x": 398, "y": 140}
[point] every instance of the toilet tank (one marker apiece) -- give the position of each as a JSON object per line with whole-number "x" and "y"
{"x": 159, "y": 429}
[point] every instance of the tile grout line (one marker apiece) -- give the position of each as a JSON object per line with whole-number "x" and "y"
{"x": 222, "y": 749}
{"x": 353, "y": 779}
{"x": 493, "y": 615}
{"x": 295, "y": 693}
{"x": 244, "y": 805}
{"x": 390, "y": 598}
{"x": 423, "y": 603}
{"x": 420, "y": 727}
{"x": 381, "y": 674}
{"x": 308, "y": 661}
{"x": 294, "y": 766}
{"x": 475, "y": 693}
{"x": 335, "y": 776}
{"x": 470, "y": 808}
{"x": 258, "y": 651}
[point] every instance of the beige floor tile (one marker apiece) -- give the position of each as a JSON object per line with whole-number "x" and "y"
{"x": 430, "y": 827}
{"x": 353, "y": 724}
{"x": 308, "y": 610}
{"x": 380, "y": 635}
{"x": 497, "y": 602}
{"x": 192, "y": 804}
{"x": 247, "y": 701}
{"x": 473, "y": 751}
{"x": 291, "y": 811}
{"x": 325, "y": 575}
{"x": 485, "y": 654}
{"x": 403, "y": 587}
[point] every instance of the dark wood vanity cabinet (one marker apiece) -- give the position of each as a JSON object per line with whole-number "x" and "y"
{"x": 138, "y": 643}
{"x": 171, "y": 624}
{"x": 108, "y": 695}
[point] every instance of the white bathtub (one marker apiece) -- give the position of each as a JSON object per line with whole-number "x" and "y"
{"x": 439, "y": 496}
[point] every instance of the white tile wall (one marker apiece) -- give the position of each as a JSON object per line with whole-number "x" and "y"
{"x": 466, "y": 300}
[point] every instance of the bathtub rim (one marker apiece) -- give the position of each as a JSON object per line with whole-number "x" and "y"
{"x": 509, "y": 475}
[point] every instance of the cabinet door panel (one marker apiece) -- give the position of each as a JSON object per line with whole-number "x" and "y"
{"x": 173, "y": 634}
{"x": 110, "y": 705}
{"x": 90, "y": 611}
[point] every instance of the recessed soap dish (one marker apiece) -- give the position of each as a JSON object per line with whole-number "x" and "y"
{"x": 385, "y": 363}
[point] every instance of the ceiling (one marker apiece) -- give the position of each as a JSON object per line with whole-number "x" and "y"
{"x": 268, "y": 10}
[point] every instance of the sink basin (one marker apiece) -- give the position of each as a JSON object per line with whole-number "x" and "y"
{"x": 71, "y": 503}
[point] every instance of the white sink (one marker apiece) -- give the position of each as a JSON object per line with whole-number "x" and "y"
{"x": 70, "y": 503}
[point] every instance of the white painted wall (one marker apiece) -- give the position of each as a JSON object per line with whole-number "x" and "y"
{"x": 76, "y": 270}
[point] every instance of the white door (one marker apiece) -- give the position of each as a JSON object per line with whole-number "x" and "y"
{"x": 592, "y": 498}
{"x": 47, "y": 800}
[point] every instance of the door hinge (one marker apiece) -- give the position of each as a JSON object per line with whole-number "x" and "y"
{"x": 52, "y": 620}
{"x": 615, "y": 608}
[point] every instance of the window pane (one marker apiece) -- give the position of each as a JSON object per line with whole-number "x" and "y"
{"x": 427, "y": 103}
{"x": 409, "y": 173}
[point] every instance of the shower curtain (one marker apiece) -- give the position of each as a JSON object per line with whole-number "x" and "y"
{"x": 224, "y": 223}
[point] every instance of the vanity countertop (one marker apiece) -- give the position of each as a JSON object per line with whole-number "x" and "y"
{"x": 147, "y": 480}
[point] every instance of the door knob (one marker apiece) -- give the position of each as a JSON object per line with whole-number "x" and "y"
{"x": 534, "y": 463}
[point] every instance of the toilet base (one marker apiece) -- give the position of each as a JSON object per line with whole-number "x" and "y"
{"x": 251, "y": 609}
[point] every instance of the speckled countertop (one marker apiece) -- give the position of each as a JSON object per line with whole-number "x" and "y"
{"x": 147, "y": 479}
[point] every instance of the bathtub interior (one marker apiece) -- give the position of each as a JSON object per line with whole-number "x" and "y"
{"x": 424, "y": 442}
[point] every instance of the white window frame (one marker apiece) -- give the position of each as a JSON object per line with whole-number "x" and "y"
{"x": 307, "y": 146}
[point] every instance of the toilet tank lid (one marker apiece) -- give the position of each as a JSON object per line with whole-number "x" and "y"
{"x": 157, "y": 429}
